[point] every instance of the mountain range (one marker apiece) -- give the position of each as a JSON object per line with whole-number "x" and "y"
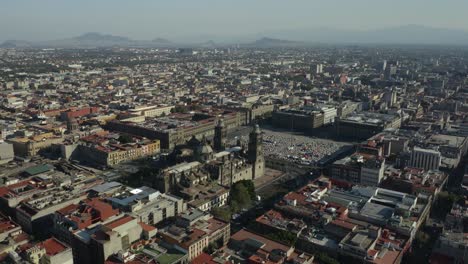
{"x": 410, "y": 34}
{"x": 89, "y": 40}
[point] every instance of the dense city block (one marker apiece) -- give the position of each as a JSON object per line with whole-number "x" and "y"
{"x": 234, "y": 154}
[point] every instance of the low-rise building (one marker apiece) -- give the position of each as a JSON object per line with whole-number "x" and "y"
{"x": 178, "y": 128}
{"x": 303, "y": 120}
{"x": 149, "y": 252}
{"x": 206, "y": 197}
{"x": 75, "y": 217}
{"x": 105, "y": 149}
{"x": 366, "y": 170}
{"x": 365, "y": 124}
{"x": 194, "y": 230}
{"x": 152, "y": 111}
{"x": 30, "y": 146}
{"x": 319, "y": 204}
{"x": 248, "y": 247}
{"x": 11, "y": 235}
{"x": 147, "y": 205}
{"x": 7, "y": 153}
{"x": 96, "y": 243}
{"x": 36, "y": 214}
{"x": 452, "y": 243}
{"x": 50, "y": 251}
{"x": 374, "y": 245}
{"x": 415, "y": 181}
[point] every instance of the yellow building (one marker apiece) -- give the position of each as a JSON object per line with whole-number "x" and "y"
{"x": 102, "y": 151}
{"x": 30, "y": 146}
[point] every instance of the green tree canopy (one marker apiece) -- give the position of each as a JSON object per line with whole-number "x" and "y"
{"x": 240, "y": 194}
{"x": 124, "y": 139}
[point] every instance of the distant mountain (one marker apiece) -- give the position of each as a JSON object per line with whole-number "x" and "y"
{"x": 9, "y": 44}
{"x": 409, "y": 34}
{"x": 105, "y": 40}
{"x": 161, "y": 41}
{"x": 273, "y": 42}
{"x": 209, "y": 44}
{"x": 93, "y": 36}
{"x": 91, "y": 39}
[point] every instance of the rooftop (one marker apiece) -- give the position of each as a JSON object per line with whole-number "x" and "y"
{"x": 118, "y": 222}
{"x": 53, "y": 246}
{"x": 371, "y": 118}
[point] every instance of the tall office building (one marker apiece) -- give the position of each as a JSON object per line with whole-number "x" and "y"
{"x": 427, "y": 159}
{"x": 390, "y": 97}
{"x": 316, "y": 68}
{"x": 390, "y": 71}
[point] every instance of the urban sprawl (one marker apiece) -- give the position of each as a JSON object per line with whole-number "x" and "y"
{"x": 341, "y": 154}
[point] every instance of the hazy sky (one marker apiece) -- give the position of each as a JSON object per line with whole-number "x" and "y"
{"x": 184, "y": 19}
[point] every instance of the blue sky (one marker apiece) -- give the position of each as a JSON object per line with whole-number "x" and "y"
{"x": 185, "y": 19}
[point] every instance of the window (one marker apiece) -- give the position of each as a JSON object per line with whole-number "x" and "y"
{"x": 125, "y": 242}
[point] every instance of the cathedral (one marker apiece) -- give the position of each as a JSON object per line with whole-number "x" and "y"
{"x": 200, "y": 162}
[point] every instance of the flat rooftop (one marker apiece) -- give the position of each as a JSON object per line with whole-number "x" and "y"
{"x": 369, "y": 118}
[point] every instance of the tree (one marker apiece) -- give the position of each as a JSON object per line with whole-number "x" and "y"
{"x": 180, "y": 109}
{"x": 250, "y": 187}
{"x": 234, "y": 206}
{"x": 136, "y": 179}
{"x": 443, "y": 204}
{"x": 422, "y": 238}
{"x": 240, "y": 194}
{"x": 284, "y": 237}
{"x": 222, "y": 213}
{"x": 124, "y": 139}
{"x": 323, "y": 258}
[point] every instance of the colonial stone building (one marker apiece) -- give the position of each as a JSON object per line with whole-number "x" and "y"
{"x": 197, "y": 163}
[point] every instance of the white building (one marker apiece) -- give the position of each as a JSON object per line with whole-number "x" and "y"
{"x": 6, "y": 152}
{"x": 152, "y": 111}
{"x": 372, "y": 172}
{"x": 427, "y": 159}
{"x": 329, "y": 114}
{"x": 316, "y": 68}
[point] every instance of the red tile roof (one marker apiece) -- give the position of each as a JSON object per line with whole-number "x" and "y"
{"x": 146, "y": 227}
{"x": 21, "y": 237}
{"x": 53, "y": 246}
{"x": 121, "y": 221}
{"x": 6, "y": 226}
{"x": 343, "y": 224}
{"x": 196, "y": 235}
{"x": 203, "y": 259}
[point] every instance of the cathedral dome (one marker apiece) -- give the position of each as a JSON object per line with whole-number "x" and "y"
{"x": 205, "y": 149}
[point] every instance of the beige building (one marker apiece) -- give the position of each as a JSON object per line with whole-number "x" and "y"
{"x": 110, "y": 152}
{"x": 175, "y": 131}
{"x": 152, "y": 111}
{"x": 30, "y": 146}
{"x": 50, "y": 251}
{"x": 194, "y": 231}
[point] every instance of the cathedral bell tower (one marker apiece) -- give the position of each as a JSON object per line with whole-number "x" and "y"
{"x": 255, "y": 152}
{"x": 220, "y": 136}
